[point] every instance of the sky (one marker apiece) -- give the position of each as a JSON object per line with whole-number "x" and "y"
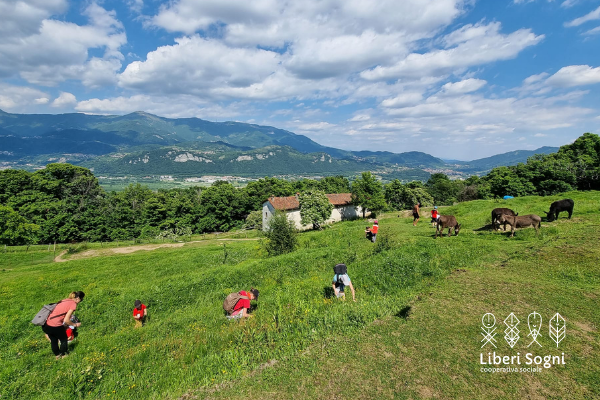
{"x": 457, "y": 79}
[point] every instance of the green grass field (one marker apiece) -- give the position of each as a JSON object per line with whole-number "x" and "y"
{"x": 413, "y": 333}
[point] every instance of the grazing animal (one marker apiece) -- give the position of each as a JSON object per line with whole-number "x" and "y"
{"x": 497, "y": 212}
{"x": 522, "y": 221}
{"x": 446, "y": 221}
{"x": 559, "y": 206}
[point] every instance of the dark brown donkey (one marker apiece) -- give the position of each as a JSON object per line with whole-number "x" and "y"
{"x": 497, "y": 212}
{"x": 523, "y": 221}
{"x": 446, "y": 221}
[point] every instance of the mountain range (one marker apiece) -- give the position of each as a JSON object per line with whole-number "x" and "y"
{"x": 144, "y": 144}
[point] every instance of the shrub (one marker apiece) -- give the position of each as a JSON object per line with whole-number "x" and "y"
{"x": 282, "y": 236}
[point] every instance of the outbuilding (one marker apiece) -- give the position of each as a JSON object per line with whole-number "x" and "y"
{"x": 343, "y": 209}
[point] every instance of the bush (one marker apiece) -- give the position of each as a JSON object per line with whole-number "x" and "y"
{"x": 282, "y": 236}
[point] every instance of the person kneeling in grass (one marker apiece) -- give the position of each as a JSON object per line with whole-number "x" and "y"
{"x": 340, "y": 281}
{"x": 139, "y": 313}
{"x": 237, "y": 305}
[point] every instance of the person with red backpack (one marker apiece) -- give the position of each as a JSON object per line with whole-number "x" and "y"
{"x": 59, "y": 320}
{"x": 237, "y": 305}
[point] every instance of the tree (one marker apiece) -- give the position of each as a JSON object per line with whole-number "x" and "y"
{"x": 334, "y": 184}
{"x": 315, "y": 208}
{"x": 367, "y": 192}
{"x": 14, "y": 229}
{"x": 254, "y": 220}
{"x": 443, "y": 190}
{"x": 282, "y": 236}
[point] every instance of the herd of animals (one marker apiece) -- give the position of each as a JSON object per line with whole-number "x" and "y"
{"x": 504, "y": 216}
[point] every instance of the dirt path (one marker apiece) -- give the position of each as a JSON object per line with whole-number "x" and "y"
{"x": 111, "y": 251}
{"x": 130, "y": 249}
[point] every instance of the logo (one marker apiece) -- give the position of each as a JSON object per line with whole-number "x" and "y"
{"x": 557, "y": 328}
{"x": 514, "y": 361}
{"x": 511, "y": 332}
{"x": 488, "y": 321}
{"x": 534, "y": 321}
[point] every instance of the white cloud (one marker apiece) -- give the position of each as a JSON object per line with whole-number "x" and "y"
{"x": 465, "y": 86}
{"x": 360, "y": 118}
{"x": 64, "y": 100}
{"x": 568, "y": 3}
{"x": 317, "y": 126}
{"x": 317, "y": 39}
{"x": 591, "y": 16}
{"x": 539, "y": 135}
{"x": 56, "y": 50}
{"x": 475, "y": 45}
{"x": 288, "y": 20}
{"x": 575, "y": 75}
{"x": 136, "y": 5}
{"x": 22, "y": 18}
{"x": 20, "y": 98}
{"x": 179, "y": 106}
{"x": 593, "y": 31}
{"x": 403, "y": 100}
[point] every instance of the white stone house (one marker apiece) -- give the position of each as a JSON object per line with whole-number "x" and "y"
{"x": 342, "y": 209}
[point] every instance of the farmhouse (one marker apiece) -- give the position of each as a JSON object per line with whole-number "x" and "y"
{"x": 342, "y": 209}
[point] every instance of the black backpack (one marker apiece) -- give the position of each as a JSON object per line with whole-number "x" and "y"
{"x": 339, "y": 270}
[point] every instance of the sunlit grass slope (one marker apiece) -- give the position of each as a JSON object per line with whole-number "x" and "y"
{"x": 187, "y": 343}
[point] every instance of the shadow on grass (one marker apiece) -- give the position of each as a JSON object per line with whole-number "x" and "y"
{"x": 328, "y": 292}
{"x": 404, "y": 313}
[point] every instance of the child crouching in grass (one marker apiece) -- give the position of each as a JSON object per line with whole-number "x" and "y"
{"x": 139, "y": 313}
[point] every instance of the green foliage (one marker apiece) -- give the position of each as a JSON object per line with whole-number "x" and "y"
{"x": 367, "y": 192}
{"x": 282, "y": 236}
{"x": 443, "y": 190}
{"x": 254, "y": 220}
{"x": 315, "y": 208}
{"x": 14, "y": 229}
{"x": 402, "y": 197}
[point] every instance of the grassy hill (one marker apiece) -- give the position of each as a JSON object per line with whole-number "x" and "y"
{"x": 413, "y": 333}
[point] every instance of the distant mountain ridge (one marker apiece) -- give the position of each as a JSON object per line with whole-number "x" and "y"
{"x": 111, "y": 143}
{"x": 506, "y": 159}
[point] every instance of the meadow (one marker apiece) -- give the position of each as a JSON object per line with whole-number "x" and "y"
{"x": 413, "y": 333}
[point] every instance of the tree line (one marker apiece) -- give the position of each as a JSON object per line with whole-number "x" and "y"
{"x": 65, "y": 203}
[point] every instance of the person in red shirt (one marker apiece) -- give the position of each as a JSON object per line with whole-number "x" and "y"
{"x": 139, "y": 313}
{"x": 374, "y": 231}
{"x": 241, "y": 308}
{"x": 57, "y": 322}
{"x": 434, "y": 216}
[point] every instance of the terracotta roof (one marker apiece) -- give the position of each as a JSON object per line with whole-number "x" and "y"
{"x": 291, "y": 202}
{"x": 284, "y": 203}
{"x": 340, "y": 199}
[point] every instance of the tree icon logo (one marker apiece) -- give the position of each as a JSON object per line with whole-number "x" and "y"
{"x": 558, "y": 328}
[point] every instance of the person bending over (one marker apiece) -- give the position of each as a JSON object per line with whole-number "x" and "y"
{"x": 58, "y": 321}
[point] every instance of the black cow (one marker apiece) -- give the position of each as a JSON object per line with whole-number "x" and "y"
{"x": 497, "y": 212}
{"x": 558, "y": 207}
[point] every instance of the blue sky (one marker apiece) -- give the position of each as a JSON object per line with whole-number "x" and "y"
{"x": 459, "y": 79}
